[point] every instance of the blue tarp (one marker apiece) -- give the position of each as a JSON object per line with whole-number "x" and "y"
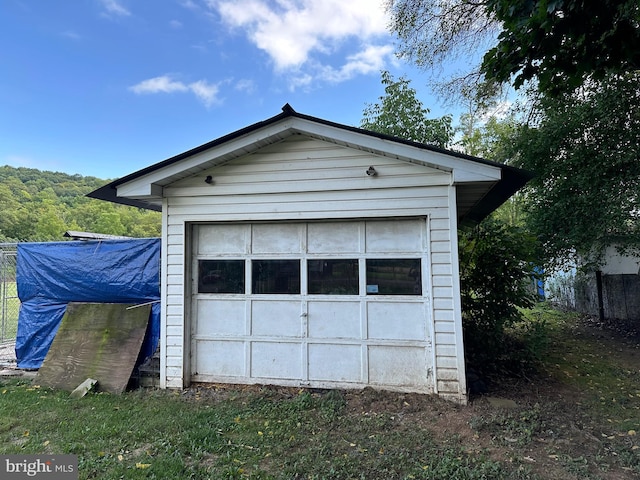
{"x": 51, "y": 275}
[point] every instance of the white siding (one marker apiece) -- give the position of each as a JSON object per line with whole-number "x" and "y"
{"x": 304, "y": 179}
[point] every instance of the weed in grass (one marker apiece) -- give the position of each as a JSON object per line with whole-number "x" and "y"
{"x": 509, "y": 427}
{"x": 611, "y": 388}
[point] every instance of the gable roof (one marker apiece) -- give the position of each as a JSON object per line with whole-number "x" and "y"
{"x": 482, "y": 185}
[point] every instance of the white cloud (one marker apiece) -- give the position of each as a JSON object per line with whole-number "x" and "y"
{"x": 163, "y": 84}
{"x": 176, "y": 24}
{"x": 302, "y": 80}
{"x": 115, "y": 8}
{"x": 291, "y": 31}
{"x": 500, "y": 111}
{"x": 199, "y": 48}
{"x": 372, "y": 59}
{"x": 244, "y": 85}
{"x": 190, "y": 4}
{"x": 205, "y": 91}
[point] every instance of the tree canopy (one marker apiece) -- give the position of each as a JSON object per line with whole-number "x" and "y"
{"x": 563, "y": 43}
{"x": 585, "y": 152}
{"x": 38, "y": 205}
{"x": 559, "y": 44}
{"x": 401, "y": 114}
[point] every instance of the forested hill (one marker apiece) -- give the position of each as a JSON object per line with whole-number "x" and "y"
{"x": 38, "y": 205}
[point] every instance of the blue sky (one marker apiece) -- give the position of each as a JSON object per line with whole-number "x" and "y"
{"x": 107, "y": 87}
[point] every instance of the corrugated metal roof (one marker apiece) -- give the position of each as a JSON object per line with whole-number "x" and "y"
{"x": 92, "y": 236}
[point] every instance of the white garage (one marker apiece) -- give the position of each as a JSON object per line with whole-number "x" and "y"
{"x": 301, "y": 252}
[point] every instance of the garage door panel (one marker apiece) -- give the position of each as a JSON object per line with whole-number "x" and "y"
{"x": 221, "y": 317}
{"x": 334, "y": 319}
{"x": 276, "y": 360}
{"x": 396, "y": 321}
{"x": 397, "y": 366}
{"x": 343, "y": 237}
{"x": 335, "y": 363}
{"x": 395, "y": 236}
{"x": 222, "y": 239}
{"x": 276, "y": 318}
{"x": 277, "y": 238}
{"x": 220, "y": 358}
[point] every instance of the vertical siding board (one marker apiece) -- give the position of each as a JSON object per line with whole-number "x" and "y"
{"x": 448, "y": 351}
{"x": 163, "y": 296}
{"x": 457, "y": 310}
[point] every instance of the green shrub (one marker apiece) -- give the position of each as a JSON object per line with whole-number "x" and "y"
{"x": 496, "y": 268}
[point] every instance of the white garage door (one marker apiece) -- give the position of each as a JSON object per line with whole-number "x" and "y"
{"x": 339, "y": 304}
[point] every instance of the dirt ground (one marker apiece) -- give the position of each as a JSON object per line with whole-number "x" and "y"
{"x": 539, "y": 423}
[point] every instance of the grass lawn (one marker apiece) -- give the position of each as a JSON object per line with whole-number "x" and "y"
{"x": 576, "y": 419}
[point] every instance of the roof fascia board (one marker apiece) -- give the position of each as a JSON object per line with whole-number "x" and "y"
{"x": 469, "y": 176}
{"x": 139, "y": 190}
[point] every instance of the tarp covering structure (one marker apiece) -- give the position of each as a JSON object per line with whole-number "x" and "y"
{"x": 51, "y": 275}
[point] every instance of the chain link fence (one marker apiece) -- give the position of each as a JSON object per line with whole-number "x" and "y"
{"x": 9, "y": 302}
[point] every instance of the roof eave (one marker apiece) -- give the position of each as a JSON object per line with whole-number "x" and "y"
{"x": 511, "y": 180}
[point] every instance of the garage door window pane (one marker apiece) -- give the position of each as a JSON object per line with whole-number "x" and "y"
{"x": 221, "y": 276}
{"x": 333, "y": 277}
{"x": 276, "y": 276}
{"x": 394, "y": 277}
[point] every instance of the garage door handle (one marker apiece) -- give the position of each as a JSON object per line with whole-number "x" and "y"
{"x": 303, "y": 315}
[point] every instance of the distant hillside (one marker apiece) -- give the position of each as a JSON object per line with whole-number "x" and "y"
{"x": 38, "y": 205}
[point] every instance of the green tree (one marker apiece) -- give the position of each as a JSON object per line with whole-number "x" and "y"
{"x": 16, "y": 221}
{"x": 488, "y": 138}
{"x": 585, "y": 151}
{"x": 41, "y": 205}
{"x": 50, "y": 224}
{"x": 432, "y": 33}
{"x": 492, "y": 138}
{"x": 559, "y": 44}
{"x": 563, "y": 43}
{"x": 140, "y": 223}
{"x": 401, "y": 114}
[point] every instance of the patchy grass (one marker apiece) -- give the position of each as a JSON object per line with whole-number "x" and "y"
{"x": 582, "y": 409}
{"x": 229, "y": 433}
{"x": 577, "y": 418}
